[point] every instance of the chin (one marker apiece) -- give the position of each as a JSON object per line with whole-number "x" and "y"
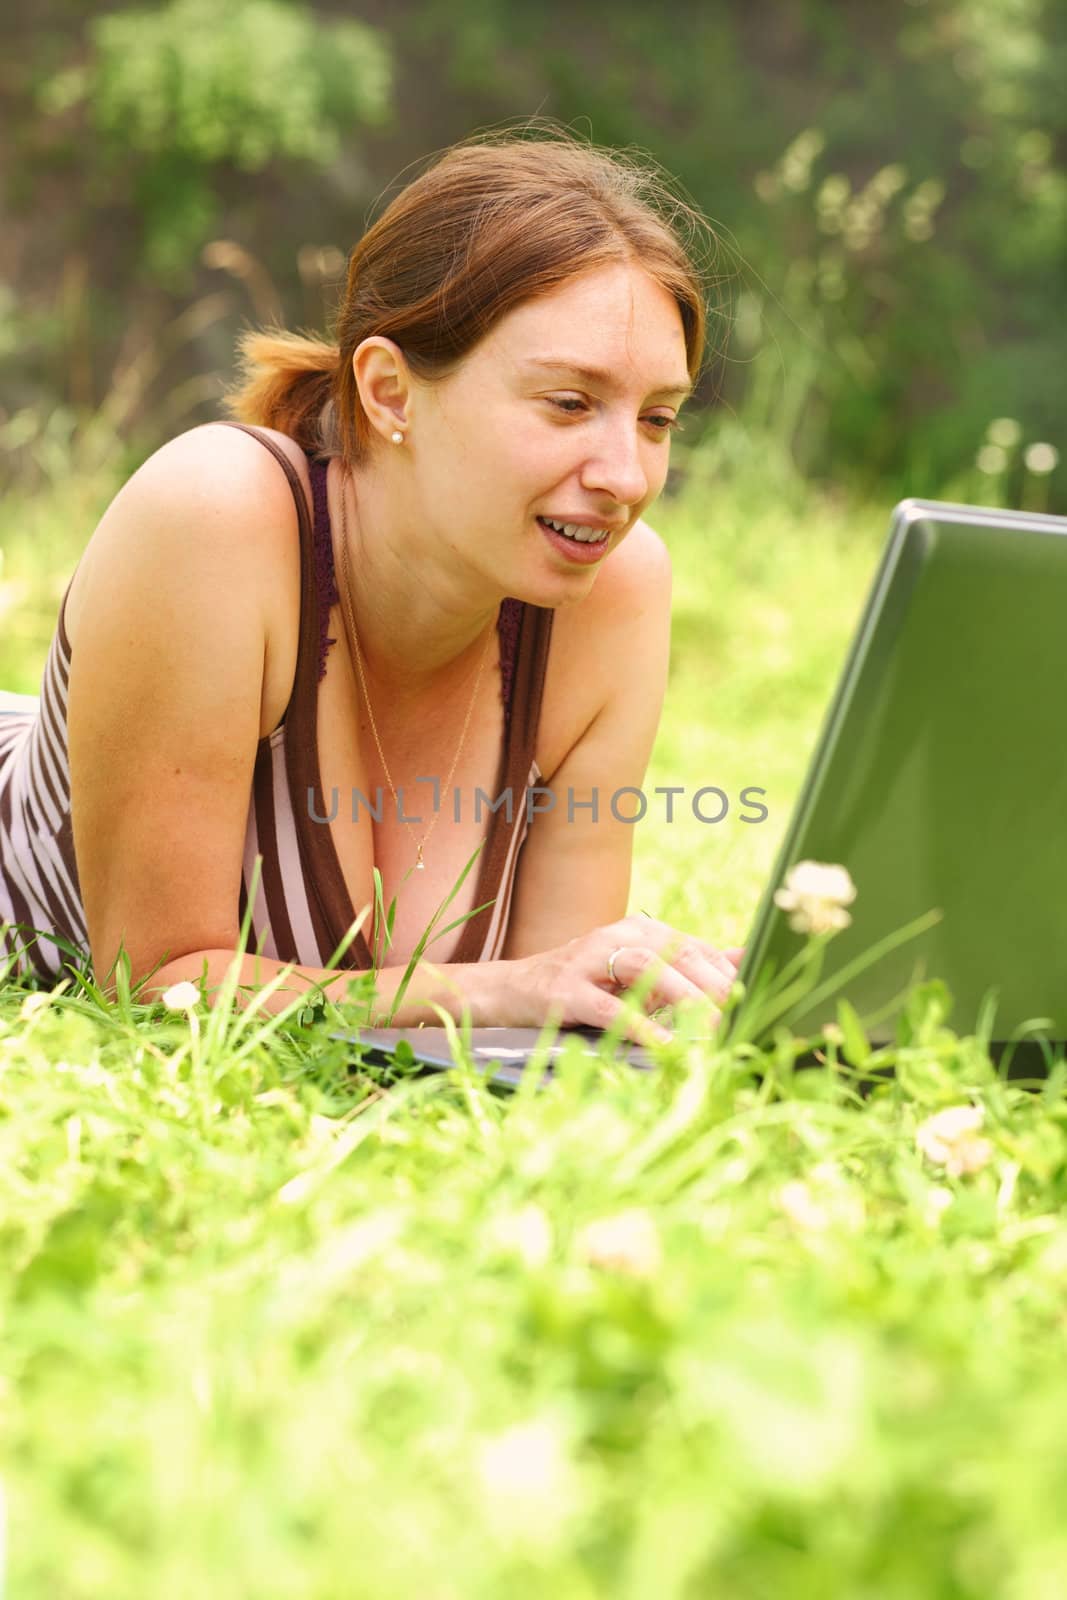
{"x": 554, "y": 590}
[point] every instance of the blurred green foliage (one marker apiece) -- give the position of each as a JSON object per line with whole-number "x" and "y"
{"x": 888, "y": 184}
{"x": 174, "y": 93}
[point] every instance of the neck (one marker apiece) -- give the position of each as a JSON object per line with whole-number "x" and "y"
{"x": 420, "y": 616}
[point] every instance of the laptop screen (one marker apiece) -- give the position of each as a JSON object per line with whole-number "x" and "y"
{"x": 940, "y": 776}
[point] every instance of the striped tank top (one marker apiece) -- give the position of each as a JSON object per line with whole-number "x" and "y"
{"x": 301, "y": 910}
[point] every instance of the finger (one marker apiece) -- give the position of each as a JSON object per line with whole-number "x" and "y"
{"x": 726, "y": 962}
{"x": 707, "y": 982}
{"x": 688, "y": 957}
{"x": 715, "y": 979}
{"x": 635, "y": 1026}
{"x": 597, "y": 1008}
{"x": 669, "y": 983}
{"x": 647, "y": 931}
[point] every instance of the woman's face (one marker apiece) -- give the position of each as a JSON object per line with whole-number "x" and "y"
{"x": 562, "y": 413}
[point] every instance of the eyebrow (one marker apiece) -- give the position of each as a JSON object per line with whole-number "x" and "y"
{"x": 602, "y": 376}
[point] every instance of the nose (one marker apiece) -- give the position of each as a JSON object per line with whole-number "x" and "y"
{"x": 616, "y": 466}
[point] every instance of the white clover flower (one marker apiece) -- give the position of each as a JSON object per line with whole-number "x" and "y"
{"x": 1041, "y": 458}
{"x": 181, "y": 996}
{"x": 523, "y": 1460}
{"x": 825, "y": 1199}
{"x": 991, "y": 459}
{"x": 526, "y": 1233}
{"x": 1005, "y": 432}
{"x": 950, "y": 1139}
{"x": 321, "y": 1132}
{"x": 802, "y": 1208}
{"x": 33, "y": 1003}
{"x": 815, "y": 895}
{"x": 627, "y": 1242}
{"x": 528, "y": 1483}
{"x": 937, "y": 1202}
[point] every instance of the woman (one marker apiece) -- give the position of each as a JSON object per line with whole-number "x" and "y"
{"x": 414, "y": 571}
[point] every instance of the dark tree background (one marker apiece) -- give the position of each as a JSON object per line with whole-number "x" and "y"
{"x": 888, "y": 182}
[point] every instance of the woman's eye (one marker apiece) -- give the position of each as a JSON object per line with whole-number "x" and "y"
{"x": 573, "y": 405}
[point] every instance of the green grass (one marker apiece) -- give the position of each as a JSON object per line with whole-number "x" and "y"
{"x": 768, "y": 585}
{"x": 275, "y": 1328}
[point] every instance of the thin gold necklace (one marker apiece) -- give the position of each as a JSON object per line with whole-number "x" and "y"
{"x": 346, "y": 608}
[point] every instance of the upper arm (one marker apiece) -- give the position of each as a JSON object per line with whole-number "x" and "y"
{"x": 164, "y": 699}
{"x": 574, "y": 871}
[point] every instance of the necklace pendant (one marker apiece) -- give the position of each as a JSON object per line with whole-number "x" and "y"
{"x": 420, "y": 865}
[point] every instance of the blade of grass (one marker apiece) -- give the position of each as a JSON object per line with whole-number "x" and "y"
{"x": 417, "y": 953}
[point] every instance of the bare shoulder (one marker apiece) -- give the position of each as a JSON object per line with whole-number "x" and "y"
{"x": 618, "y": 634}
{"x": 642, "y": 557}
{"x": 170, "y": 690}
{"x": 217, "y": 465}
{"x": 642, "y": 562}
{"x": 212, "y": 456}
{"x": 634, "y": 584}
{"x": 210, "y": 485}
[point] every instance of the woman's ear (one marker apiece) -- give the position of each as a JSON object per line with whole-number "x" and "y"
{"x": 384, "y": 384}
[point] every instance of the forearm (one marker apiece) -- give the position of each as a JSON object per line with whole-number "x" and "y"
{"x": 477, "y": 986}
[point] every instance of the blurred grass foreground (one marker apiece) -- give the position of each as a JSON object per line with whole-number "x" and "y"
{"x": 277, "y": 1323}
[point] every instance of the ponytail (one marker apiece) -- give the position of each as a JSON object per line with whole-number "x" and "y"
{"x": 286, "y": 382}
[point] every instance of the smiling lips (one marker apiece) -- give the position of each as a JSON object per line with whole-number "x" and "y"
{"x": 584, "y": 546}
{"x": 585, "y": 533}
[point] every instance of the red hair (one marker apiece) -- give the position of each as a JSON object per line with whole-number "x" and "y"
{"x": 493, "y": 222}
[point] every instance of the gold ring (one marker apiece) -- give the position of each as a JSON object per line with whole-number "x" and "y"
{"x": 611, "y": 965}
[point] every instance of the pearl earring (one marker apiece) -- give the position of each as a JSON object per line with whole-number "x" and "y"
{"x": 397, "y": 437}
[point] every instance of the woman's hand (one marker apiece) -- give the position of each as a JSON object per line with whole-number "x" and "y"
{"x": 573, "y": 983}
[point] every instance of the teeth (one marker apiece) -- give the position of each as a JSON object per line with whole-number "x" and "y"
{"x": 576, "y": 530}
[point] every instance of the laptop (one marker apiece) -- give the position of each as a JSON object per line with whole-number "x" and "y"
{"x": 939, "y": 780}
{"x": 499, "y": 1054}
